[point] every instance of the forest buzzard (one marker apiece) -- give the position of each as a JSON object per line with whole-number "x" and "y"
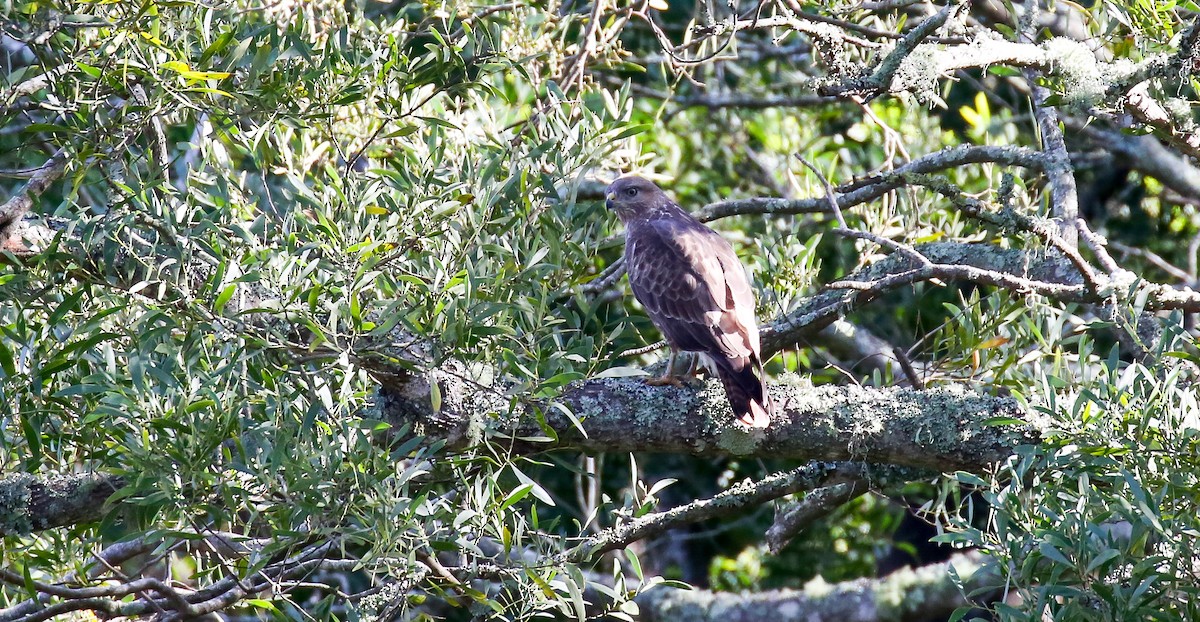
{"x": 695, "y": 291}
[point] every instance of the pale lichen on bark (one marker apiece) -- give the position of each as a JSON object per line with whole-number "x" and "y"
{"x": 14, "y": 504}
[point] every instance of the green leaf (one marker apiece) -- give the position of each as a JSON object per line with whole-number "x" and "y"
{"x": 970, "y": 479}
{"x": 403, "y": 131}
{"x": 69, "y": 304}
{"x": 216, "y": 47}
{"x": 562, "y": 408}
{"x": 263, "y": 604}
{"x": 199, "y": 405}
{"x": 518, "y": 493}
{"x": 224, "y": 296}
{"x": 1103, "y": 558}
{"x": 46, "y": 128}
{"x": 33, "y": 439}
{"x": 55, "y": 366}
{"x": 88, "y": 70}
{"x": 1050, "y": 552}
{"x": 7, "y": 362}
{"x": 435, "y": 396}
{"x": 575, "y": 585}
{"x": 622, "y": 372}
{"x": 633, "y": 130}
{"x": 634, "y": 563}
{"x": 535, "y": 488}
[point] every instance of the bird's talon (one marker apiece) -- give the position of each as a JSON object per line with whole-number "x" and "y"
{"x": 662, "y": 381}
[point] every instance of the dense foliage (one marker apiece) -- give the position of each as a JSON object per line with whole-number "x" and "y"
{"x": 246, "y": 218}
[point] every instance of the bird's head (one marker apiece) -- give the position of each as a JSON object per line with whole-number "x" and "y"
{"x": 634, "y": 197}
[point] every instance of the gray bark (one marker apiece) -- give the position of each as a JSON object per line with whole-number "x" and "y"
{"x": 942, "y": 429}
{"x": 924, "y": 593}
{"x": 29, "y": 503}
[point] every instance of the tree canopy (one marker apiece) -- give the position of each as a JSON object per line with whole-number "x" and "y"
{"x": 313, "y": 310}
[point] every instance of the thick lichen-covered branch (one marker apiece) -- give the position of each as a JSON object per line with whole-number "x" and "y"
{"x": 940, "y": 429}
{"x": 945, "y": 428}
{"x": 929, "y": 592}
{"x": 30, "y": 503}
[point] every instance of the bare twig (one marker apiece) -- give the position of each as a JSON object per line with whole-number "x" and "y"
{"x": 573, "y": 69}
{"x": 1064, "y": 198}
{"x": 161, "y": 155}
{"x": 1097, "y": 244}
{"x": 880, "y": 80}
{"x": 13, "y": 210}
{"x": 859, "y": 347}
{"x": 1144, "y": 154}
{"x": 899, "y": 247}
{"x": 32, "y": 85}
{"x": 815, "y": 505}
{"x": 874, "y": 33}
{"x": 608, "y": 278}
{"x": 431, "y": 562}
{"x": 643, "y": 350}
{"x": 105, "y": 562}
{"x": 830, "y": 195}
{"x": 737, "y": 498}
{"x": 1155, "y": 259}
{"x": 909, "y": 370}
{"x": 1015, "y": 220}
{"x": 871, "y": 188}
{"x": 470, "y": 20}
{"x": 751, "y": 101}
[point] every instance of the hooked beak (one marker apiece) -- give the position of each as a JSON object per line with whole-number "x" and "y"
{"x": 608, "y": 199}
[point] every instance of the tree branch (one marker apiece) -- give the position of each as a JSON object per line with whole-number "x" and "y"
{"x": 751, "y": 101}
{"x": 1014, "y": 269}
{"x": 831, "y": 304}
{"x": 29, "y": 503}
{"x": 929, "y": 592}
{"x": 1144, "y": 154}
{"x": 1064, "y": 199}
{"x": 1178, "y": 129}
{"x": 172, "y": 603}
{"x": 873, "y": 187}
{"x": 943, "y": 429}
{"x": 13, "y": 210}
{"x": 882, "y": 79}
{"x": 817, "y": 504}
{"x": 737, "y": 498}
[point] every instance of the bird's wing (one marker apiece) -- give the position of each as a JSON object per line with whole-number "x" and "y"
{"x": 741, "y": 309}
{"x": 693, "y": 286}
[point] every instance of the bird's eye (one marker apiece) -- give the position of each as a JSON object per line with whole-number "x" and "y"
{"x": 631, "y": 192}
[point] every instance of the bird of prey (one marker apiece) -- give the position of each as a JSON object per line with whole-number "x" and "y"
{"x": 695, "y": 291}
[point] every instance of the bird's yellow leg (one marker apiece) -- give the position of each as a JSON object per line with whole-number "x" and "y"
{"x": 690, "y": 376}
{"x": 695, "y": 362}
{"x": 668, "y": 376}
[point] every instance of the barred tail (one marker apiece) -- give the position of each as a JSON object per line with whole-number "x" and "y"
{"x": 744, "y": 389}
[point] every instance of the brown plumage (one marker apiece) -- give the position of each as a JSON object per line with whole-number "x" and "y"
{"x": 695, "y": 291}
